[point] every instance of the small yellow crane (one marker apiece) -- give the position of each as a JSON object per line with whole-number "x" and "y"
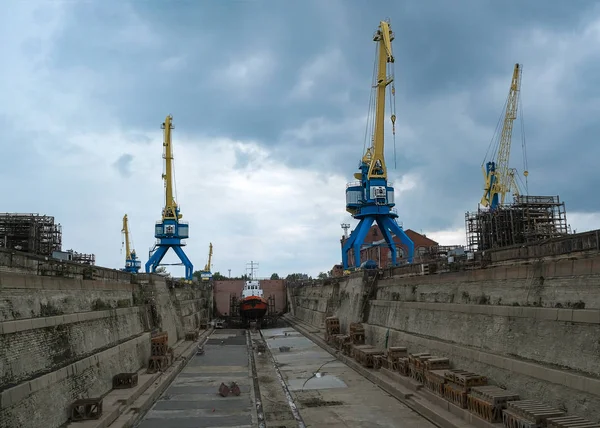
{"x": 206, "y": 275}
{"x": 132, "y": 264}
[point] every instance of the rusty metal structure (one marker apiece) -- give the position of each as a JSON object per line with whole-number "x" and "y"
{"x": 529, "y": 219}
{"x": 30, "y": 233}
{"x": 85, "y": 259}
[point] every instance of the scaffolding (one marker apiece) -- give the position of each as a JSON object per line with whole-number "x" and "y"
{"x": 30, "y": 233}
{"x": 529, "y": 219}
{"x": 84, "y": 259}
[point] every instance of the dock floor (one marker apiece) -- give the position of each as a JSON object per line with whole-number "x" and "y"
{"x": 193, "y": 401}
{"x": 335, "y": 397}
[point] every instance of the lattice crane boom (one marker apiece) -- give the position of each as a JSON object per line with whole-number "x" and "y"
{"x": 210, "y": 253}
{"x": 499, "y": 178}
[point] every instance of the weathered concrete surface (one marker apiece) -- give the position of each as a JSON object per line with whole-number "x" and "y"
{"x": 65, "y": 338}
{"x": 339, "y": 397}
{"x": 532, "y": 328}
{"x": 192, "y": 400}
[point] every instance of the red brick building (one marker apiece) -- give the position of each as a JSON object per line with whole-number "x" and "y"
{"x": 375, "y": 248}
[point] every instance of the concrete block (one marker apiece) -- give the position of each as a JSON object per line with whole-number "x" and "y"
{"x": 592, "y": 386}
{"x": 19, "y": 392}
{"x": 582, "y": 267}
{"x": 501, "y": 311}
{"x": 576, "y": 382}
{"x": 33, "y": 282}
{"x": 23, "y": 325}
{"x": 51, "y": 321}
{"x": 4, "y": 399}
{"x": 38, "y": 323}
{"x": 565, "y": 315}
{"x": 550, "y": 314}
{"x": 589, "y": 316}
{"x": 70, "y": 318}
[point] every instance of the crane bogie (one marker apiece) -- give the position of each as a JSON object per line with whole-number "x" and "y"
{"x": 170, "y": 231}
{"x": 372, "y": 198}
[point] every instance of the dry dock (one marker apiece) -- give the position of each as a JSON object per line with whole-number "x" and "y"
{"x": 285, "y": 381}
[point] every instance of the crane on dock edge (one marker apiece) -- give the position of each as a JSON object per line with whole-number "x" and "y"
{"x": 132, "y": 264}
{"x": 372, "y": 198}
{"x": 499, "y": 178}
{"x": 206, "y": 274}
{"x": 170, "y": 231}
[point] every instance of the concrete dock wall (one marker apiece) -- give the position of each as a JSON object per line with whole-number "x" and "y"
{"x": 533, "y": 328}
{"x": 65, "y": 338}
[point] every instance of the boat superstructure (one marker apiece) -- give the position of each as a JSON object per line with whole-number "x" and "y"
{"x": 253, "y": 305}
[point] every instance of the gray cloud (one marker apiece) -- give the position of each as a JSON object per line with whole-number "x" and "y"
{"x": 123, "y": 164}
{"x": 295, "y": 80}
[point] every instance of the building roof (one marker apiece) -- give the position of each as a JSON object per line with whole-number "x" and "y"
{"x": 418, "y": 239}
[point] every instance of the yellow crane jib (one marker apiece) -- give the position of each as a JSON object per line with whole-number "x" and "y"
{"x": 170, "y": 211}
{"x": 499, "y": 179}
{"x": 375, "y": 154}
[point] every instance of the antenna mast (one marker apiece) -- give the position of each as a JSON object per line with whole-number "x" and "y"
{"x": 252, "y": 267}
{"x": 345, "y": 226}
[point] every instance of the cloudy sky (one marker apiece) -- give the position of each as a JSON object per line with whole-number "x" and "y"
{"x": 269, "y": 100}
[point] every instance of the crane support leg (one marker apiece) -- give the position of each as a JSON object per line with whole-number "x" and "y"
{"x": 355, "y": 240}
{"x": 156, "y": 258}
{"x": 159, "y": 254}
{"x": 189, "y": 268}
{"x": 389, "y": 227}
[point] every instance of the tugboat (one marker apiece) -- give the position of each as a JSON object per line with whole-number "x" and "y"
{"x": 253, "y": 305}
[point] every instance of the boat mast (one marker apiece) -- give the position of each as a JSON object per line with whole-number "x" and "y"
{"x": 253, "y": 267}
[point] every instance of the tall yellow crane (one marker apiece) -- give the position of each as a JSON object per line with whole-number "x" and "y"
{"x": 372, "y": 198}
{"x": 170, "y": 232}
{"x": 499, "y": 178}
{"x": 132, "y": 264}
{"x": 206, "y": 274}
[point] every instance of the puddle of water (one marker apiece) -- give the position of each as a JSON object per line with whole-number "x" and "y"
{"x": 326, "y": 381}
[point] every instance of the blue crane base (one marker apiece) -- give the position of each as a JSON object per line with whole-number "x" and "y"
{"x": 159, "y": 253}
{"x": 388, "y": 227}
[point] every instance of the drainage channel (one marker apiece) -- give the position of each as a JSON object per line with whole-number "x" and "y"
{"x": 284, "y": 387}
{"x": 259, "y": 408}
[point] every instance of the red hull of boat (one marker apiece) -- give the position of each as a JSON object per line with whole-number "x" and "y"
{"x": 253, "y": 307}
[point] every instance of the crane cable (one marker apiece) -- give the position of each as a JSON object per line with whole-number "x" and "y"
{"x": 393, "y": 106}
{"x": 369, "y": 129}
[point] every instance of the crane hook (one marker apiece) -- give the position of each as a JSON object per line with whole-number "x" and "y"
{"x": 393, "y": 124}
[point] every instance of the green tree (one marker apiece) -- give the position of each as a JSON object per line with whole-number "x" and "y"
{"x": 274, "y": 276}
{"x": 322, "y": 275}
{"x": 161, "y": 270}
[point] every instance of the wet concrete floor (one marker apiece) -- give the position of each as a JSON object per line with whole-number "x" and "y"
{"x": 336, "y": 396}
{"x": 192, "y": 400}
{"x": 326, "y": 392}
